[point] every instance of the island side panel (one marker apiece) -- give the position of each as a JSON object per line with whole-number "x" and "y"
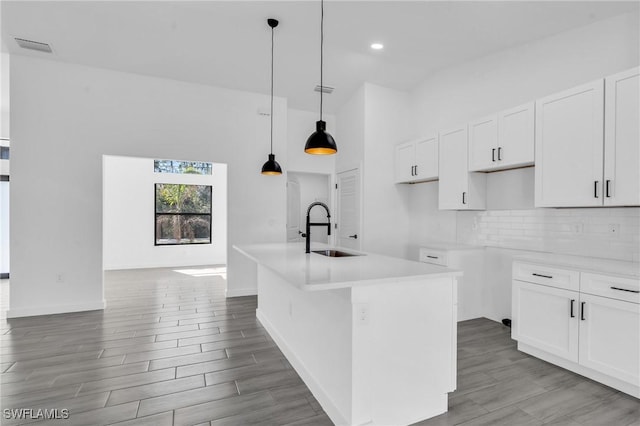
{"x": 313, "y": 330}
{"x": 404, "y": 352}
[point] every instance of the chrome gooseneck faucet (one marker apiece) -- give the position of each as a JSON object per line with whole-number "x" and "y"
{"x": 309, "y": 224}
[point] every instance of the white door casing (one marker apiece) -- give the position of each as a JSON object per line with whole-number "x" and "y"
{"x": 293, "y": 210}
{"x": 348, "y": 217}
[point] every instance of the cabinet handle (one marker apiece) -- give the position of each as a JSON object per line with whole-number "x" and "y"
{"x": 572, "y": 302}
{"x": 416, "y": 170}
{"x": 582, "y": 311}
{"x": 493, "y": 154}
{"x": 607, "y": 183}
{"x": 595, "y": 188}
{"x": 432, "y": 257}
{"x": 499, "y": 153}
{"x": 540, "y": 275}
{"x": 625, "y": 289}
{"x": 412, "y": 171}
{"x": 464, "y": 198}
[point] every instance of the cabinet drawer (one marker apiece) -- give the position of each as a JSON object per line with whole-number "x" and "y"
{"x": 626, "y": 289}
{"x": 437, "y": 257}
{"x": 546, "y": 275}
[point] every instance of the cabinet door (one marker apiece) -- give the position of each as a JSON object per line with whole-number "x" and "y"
{"x": 622, "y": 139}
{"x": 516, "y": 136}
{"x": 453, "y": 185}
{"x": 568, "y": 148}
{"x": 405, "y": 156}
{"x": 546, "y": 318}
{"x": 427, "y": 158}
{"x": 483, "y": 144}
{"x": 610, "y": 337}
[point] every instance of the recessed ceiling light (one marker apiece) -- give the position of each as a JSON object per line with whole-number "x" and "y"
{"x": 377, "y": 46}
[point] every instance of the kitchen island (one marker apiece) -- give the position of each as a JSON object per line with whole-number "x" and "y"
{"x": 373, "y": 337}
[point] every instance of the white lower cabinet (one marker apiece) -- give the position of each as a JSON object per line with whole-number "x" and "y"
{"x": 470, "y": 260}
{"x": 544, "y": 317}
{"x": 610, "y": 337}
{"x": 594, "y": 331}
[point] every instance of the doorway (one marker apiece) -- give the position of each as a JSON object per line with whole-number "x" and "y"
{"x": 187, "y": 229}
{"x": 302, "y": 190}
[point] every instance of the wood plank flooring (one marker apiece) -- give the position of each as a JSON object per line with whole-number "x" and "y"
{"x": 171, "y": 350}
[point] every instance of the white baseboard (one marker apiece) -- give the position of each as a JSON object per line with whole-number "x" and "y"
{"x": 314, "y": 386}
{"x": 56, "y": 309}
{"x": 239, "y": 292}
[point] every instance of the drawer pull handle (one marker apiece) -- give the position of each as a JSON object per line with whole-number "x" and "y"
{"x": 572, "y": 302}
{"x": 540, "y": 275}
{"x": 432, "y": 257}
{"x": 582, "y": 311}
{"x": 625, "y": 289}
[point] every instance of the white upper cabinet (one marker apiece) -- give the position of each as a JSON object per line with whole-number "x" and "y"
{"x": 483, "y": 144}
{"x": 502, "y": 141}
{"x": 568, "y": 148}
{"x": 622, "y": 139}
{"x": 588, "y": 144}
{"x": 417, "y": 161}
{"x": 516, "y": 131}
{"x": 458, "y": 188}
{"x": 405, "y": 161}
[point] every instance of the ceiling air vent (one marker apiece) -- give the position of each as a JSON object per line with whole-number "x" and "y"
{"x": 33, "y": 45}
{"x": 324, "y": 89}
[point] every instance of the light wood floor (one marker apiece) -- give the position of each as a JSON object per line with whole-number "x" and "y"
{"x": 171, "y": 350}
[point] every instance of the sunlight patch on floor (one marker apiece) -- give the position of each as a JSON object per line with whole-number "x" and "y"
{"x": 219, "y": 271}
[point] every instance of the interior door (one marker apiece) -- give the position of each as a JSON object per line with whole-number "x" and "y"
{"x": 293, "y": 210}
{"x": 348, "y": 220}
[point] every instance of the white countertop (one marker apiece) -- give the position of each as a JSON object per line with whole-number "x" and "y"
{"x": 586, "y": 264}
{"x": 314, "y": 272}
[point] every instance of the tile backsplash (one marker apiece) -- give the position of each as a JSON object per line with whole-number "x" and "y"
{"x": 612, "y": 233}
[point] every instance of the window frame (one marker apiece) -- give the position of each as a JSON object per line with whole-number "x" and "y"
{"x": 156, "y": 214}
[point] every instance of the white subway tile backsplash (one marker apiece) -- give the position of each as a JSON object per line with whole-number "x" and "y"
{"x": 586, "y": 232}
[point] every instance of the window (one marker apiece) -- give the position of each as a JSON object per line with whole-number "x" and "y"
{"x": 183, "y": 214}
{"x": 182, "y": 167}
{"x": 4, "y": 152}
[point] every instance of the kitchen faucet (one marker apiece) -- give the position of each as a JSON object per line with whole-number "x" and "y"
{"x": 309, "y": 224}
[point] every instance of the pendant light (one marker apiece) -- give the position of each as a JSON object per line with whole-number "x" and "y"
{"x": 320, "y": 142}
{"x": 271, "y": 167}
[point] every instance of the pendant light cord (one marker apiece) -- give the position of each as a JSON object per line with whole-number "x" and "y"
{"x": 271, "y": 115}
{"x": 321, "y": 52}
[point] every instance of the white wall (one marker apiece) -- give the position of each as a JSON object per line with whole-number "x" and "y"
{"x": 350, "y": 132}
{"x": 385, "y": 204}
{"x": 129, "y": 216}
{"x": 4, "y": 94}
{"x": 65, "y": 117}
{"x": 508, "y": 78}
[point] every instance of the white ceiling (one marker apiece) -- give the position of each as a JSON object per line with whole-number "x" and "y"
{"x": 227, "y": 43}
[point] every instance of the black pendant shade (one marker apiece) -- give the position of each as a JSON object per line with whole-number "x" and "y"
{"x": 271, "y": 167}
{"x": 320, "y": 142}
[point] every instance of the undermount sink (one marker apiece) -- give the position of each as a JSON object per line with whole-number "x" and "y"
{"x": 335, "y": 253}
